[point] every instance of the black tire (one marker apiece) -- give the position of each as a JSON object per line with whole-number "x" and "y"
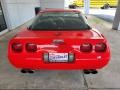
{"x": 72, "y": 6}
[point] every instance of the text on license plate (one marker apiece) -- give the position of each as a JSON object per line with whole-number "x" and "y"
{"x": 58, "y": 57}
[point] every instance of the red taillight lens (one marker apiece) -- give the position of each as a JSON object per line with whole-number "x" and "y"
{"x": 100, "y": 47}
{"x": 17, "y": 47}
{"x": 31, "y": 47}
{"x": 86, "y": 47}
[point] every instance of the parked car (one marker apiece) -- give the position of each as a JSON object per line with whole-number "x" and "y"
{"x": 59, "y": 40}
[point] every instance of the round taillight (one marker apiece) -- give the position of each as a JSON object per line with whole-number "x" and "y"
{"x": 31, "y": 47}
{"x": 17, "y": 47}
{"x": 86, "y": 47}
{"x": 100, "y": 47}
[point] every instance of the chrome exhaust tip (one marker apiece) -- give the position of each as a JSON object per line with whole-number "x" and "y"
{"x": 27, "y": 71}
{"x": 23, "y": 71}
{"x": 86, "y": 71}
{"x": 31, "y": 71}
{"x": 93, "y": 71}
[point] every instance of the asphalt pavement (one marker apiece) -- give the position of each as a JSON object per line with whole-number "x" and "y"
{"x": 105, "y": 14}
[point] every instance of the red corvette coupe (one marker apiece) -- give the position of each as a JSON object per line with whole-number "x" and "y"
{"x": 59, "y": 40}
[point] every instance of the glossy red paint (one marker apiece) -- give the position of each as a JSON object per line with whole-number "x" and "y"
{"x": 59, "y": 10}
{"x": 72, "y": 41}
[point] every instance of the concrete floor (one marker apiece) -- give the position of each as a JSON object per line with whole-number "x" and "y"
{"x": 106, "y": 14}
{"x": 108, "y": 78}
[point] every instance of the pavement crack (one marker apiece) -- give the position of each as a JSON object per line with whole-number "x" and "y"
{"x": 85, "y": 81}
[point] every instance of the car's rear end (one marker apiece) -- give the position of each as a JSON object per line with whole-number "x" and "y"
{"x": 67, "y": 51}
{"x": 57, "y": 47}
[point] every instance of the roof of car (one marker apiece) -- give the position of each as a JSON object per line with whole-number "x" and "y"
{"x": 59, "y": 10}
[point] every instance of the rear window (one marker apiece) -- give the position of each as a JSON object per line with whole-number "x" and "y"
{"x": 59, "y": 21}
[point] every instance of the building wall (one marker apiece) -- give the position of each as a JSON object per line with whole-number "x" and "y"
{"x": 18, "y": 12}
{"x": 52, "y": 4}
{"x": 67, "y": 3}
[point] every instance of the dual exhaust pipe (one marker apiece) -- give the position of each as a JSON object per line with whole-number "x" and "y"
{"x": 27, "y": 71}
{"x": 92, "y": 71}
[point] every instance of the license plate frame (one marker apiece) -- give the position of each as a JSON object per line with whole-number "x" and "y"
{"x": 58, "y": 57}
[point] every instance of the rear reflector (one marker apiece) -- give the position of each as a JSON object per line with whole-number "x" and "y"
{"x": 31, "y": 47}
{"x": 86, "y": 47}
{"x": 17, "y": 47}
{"x": 100, "y": 47}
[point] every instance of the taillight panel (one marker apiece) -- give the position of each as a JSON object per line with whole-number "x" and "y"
{"x": 100, "y": 47}
{"x": 17, "y": 47}
{"x": 86, "y": 47}
{"x": 30, "y": 47}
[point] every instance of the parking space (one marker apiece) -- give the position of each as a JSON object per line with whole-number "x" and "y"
{"x": 107, "y": 78}
{"x": 105, "y": 14}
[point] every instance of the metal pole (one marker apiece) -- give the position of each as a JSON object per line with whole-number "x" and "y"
{"x": 116, "y": 23}
{"x": 86, "y": 6}
{"x": 119, "y": 26}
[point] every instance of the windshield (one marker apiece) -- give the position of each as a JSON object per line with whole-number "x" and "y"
{"x": 59, "y": 21}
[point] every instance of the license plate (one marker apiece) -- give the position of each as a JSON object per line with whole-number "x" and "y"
{"x": 58, "y": 57}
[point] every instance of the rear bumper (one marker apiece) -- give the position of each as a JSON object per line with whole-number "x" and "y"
{"x": 36, "y": 64}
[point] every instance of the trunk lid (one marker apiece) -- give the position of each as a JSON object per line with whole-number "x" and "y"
{"x": 83, "y": 34}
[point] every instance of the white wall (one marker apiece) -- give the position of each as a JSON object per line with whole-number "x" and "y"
{"x": 60, "y": 4}
{"x": 19, "y": 11}
{"x": 52, "y": 4}
{"x": 67, "y": 3}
